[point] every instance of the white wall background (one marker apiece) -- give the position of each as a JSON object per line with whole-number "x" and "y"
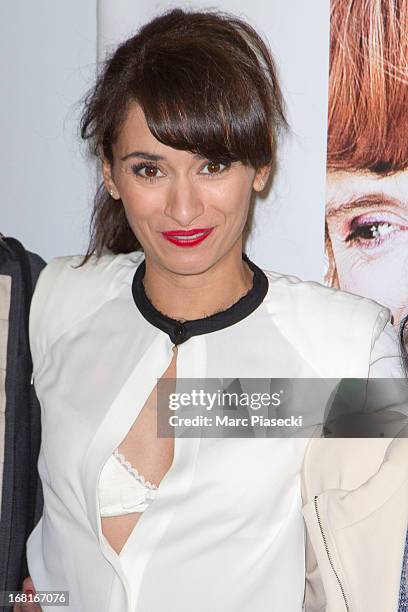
{"x": 47, "y": 182}
{"x": 288, "y": 230}
{"x": 48, "y": 52}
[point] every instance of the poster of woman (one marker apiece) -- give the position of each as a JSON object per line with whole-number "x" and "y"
{"x": 367, "y": 162}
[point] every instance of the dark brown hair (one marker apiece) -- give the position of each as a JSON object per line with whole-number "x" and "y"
{"x": 207, "y": 84}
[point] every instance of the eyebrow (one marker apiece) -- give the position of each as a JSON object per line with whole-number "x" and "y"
{"x": 152, "y": 156}
{"x": 364, "y": 201}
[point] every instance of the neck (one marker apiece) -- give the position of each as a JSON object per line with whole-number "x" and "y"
{"x": 187, "y": 297}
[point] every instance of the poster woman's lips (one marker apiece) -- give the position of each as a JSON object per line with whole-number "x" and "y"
{"x": 187, "y": 238}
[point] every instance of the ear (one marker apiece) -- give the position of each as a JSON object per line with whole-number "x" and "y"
{"x": 261, "y": 177}
{"x": 108, "y": 179}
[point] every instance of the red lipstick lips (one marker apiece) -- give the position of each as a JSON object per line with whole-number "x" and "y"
{"x": 187, "y": 238}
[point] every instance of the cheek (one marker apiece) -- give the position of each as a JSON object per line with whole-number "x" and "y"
{"x": 224, "y": 201}
{"x": 383, "y": 278}
{"x": 231, "y": 198}
{"x": 141, "y": 205}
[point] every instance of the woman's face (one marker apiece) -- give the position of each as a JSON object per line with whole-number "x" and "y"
{"x": 163, "y": 189}
{"x": 367, "y": 220}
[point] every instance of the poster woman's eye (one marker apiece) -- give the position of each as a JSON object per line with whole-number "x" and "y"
{"x": 372, "y": 231}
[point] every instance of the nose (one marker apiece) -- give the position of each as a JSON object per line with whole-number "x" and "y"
{"x": 183, "y": 204}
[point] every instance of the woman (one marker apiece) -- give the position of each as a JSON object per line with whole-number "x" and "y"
{"x": 367, "y": 179}
{"x": 185, "y": 119}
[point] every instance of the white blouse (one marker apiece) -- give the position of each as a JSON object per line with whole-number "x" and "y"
{"x": 225, "y": 529}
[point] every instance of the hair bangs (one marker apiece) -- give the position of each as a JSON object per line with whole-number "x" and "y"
{"x": 192, "y": 102}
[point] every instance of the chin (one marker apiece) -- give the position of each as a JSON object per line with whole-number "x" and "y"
{"x": 189, "y": 262}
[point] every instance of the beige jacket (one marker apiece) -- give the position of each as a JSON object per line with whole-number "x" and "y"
{"x": 356, "y": 512}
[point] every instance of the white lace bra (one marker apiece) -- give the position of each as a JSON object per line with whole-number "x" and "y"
{"x": 122, "y": 489}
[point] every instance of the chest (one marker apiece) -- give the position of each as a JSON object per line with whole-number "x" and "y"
{"x": 100, "y": 379}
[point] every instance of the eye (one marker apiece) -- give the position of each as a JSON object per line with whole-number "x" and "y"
{"x": 215, "y": 168}
{"x": 148, "y": 172}
{"x": 372, "y": 231}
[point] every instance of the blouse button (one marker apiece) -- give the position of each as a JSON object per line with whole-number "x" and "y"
{"x": 179, "y": 332}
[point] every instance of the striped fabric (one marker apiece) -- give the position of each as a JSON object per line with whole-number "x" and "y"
{"x": 403, "y": 597}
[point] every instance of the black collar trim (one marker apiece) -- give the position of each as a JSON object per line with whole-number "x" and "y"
{"x": 180, "y": 332}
